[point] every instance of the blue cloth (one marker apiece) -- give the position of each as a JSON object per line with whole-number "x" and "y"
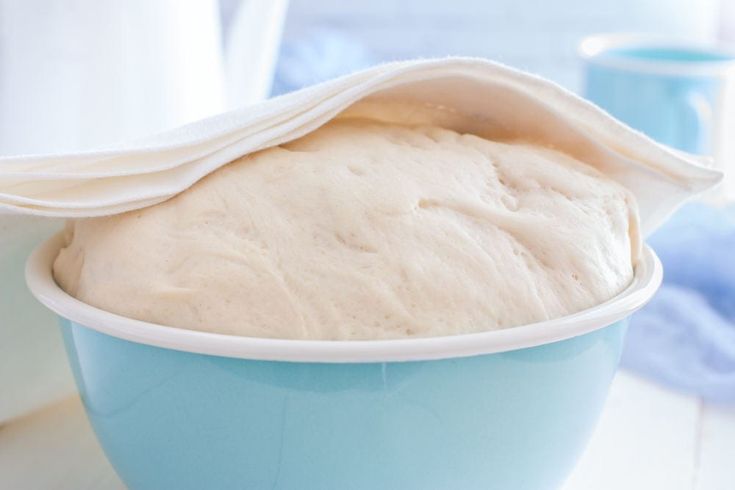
{"x": 319, "y": 55}
{"x": 685, "y": 338}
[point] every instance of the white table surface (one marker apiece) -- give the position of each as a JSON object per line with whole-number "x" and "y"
{"x": 648, "y": 438}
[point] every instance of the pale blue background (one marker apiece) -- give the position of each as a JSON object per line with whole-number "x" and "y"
{"x": 537, "y": 35}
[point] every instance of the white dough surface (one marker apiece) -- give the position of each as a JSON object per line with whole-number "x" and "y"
{"x": 365, "y": 230}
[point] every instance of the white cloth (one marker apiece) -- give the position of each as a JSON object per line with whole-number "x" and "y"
{"x": 486, "y": 98}
{"x": 479, "y": 96}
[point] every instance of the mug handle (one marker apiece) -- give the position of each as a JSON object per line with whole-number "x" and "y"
{"x": 696, "y": 128}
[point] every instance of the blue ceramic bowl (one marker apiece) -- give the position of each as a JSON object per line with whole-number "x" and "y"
{"x": 179, "y": 409}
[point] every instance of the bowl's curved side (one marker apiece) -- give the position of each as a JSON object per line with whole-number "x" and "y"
{"x": 39, "y": 276}
{"x": 172, "y": 419}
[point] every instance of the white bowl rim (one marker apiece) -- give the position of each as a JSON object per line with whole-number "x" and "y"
{"x": 39, "y": 276}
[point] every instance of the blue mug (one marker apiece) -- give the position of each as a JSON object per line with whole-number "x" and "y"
{"x": 680, "y": 94}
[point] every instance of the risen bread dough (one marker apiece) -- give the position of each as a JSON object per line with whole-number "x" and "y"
{"x": 364, "y": 230}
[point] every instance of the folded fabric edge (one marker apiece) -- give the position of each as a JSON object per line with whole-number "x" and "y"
{"x": 696, "y": 177}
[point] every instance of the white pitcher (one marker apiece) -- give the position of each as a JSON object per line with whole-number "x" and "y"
{"x": 81, "y": 74}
